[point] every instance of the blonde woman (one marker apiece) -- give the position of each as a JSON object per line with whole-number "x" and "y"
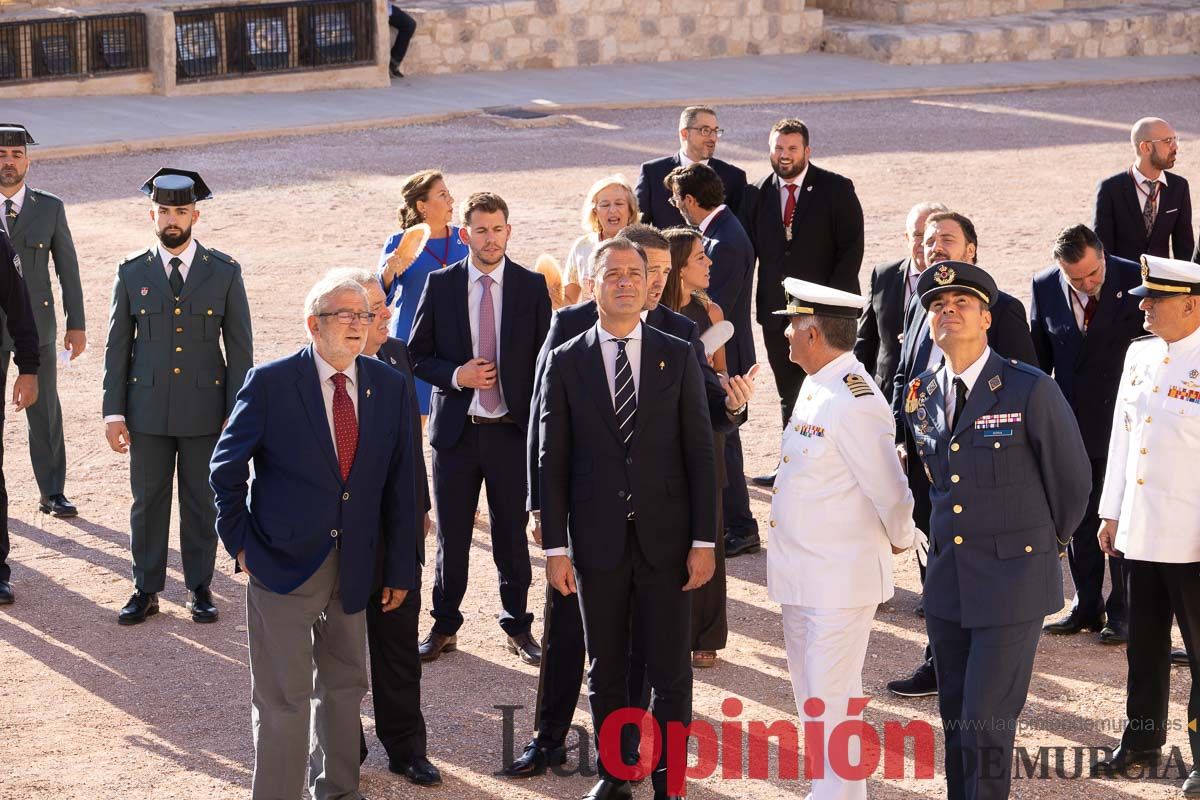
{"x": 609, "y": 206}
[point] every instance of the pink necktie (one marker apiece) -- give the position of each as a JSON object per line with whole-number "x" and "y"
{"x": 489, "y": 398}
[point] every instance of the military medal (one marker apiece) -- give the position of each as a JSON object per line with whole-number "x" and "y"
{"x": 911, "y": 403}
{"x": 922, "y": 413}
{"x": 928, "y": 474}
{"x": 787, "y": 232}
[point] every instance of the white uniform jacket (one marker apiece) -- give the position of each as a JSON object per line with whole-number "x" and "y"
{"x": 1152, "y": 482}
{"x": 840, "y": 498}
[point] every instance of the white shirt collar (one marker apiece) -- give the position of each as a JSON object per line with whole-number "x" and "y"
{"x": 605, "y": 336}
{"x": 187, "y": 256}
{"x": 835, "y": 370}
{"x": 684, "y": 161}
{"x": 798, "y": 180}
{"x": 497, "y": 275}
{"x": 18, "y": 199}
{"x": 645, "y": 313}
{"x": 704, "y": 223}
{"x": 1186, "y": 344}
{"x": 970, "y": 374}
{"x": 1140, "y": 178}
{"x": 325, "y": 370}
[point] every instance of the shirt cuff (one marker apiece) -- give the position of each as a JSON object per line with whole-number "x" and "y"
{"x": 697, "y": 543}
{"x": 555, "y": 551}
{"x": 114, "y": 418}
{"x": 454, "y": 380}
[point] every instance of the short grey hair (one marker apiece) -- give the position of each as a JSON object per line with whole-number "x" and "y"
{"x": 839, "y": 333}
{"x": 922, "y": 209}
{"x": 687, "y": 117}
{"x": 363, "y": 277}
{"x": 599, "y": 257}
{"x": 330, "y": 285}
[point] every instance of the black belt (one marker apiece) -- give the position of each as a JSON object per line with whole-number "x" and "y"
{"x": 476, "y": 420}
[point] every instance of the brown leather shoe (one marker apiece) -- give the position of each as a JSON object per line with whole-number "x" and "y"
{"x": 704, "y": 659}
{"x": 437, "y": 643}
{"x": 524, "y": 646}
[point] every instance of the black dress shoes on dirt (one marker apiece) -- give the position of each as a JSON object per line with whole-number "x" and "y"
{"x": 1114, "y": 633}
{"x": 1123, "y": 758}
{"x": 741, "y": 544}
{"x": 609, "y": 790}
{"x": 418, "y": 771}
{"x": 922, "y": 683}
{"x": 6, "y": 594}
{"x": 435, "y": 644}
{"x": 765, "y": 481}
{"x": 201, "y": 606}
{"x": 525, "y": 647}
{"x": 1179, "y": 657}
{"x": 140, "y": 606}
{"x": 57, "y": 505}
{"x": 535, "y": 761}
{"x": 1074, "y": 623}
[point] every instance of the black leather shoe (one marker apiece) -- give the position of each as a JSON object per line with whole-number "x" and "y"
{"x": 1114, "y": 633}
{"x": 1074, "y": 623}
{"x": 535, "y": 761}
{"x": 57, "y": 505}
{"x": 524, "y": 646}
{"x": 1123, "y": 758}
{"x": 765, "y": 481}
{"x": 201, "y": 606}
{"x": 435, "y": 644}
{"x": 6, "y": 594}
{"x": 922, "y": 683}
{"x": 418, "y": 771}
{"x": 920, "y": 609}
{"x": 609, "y": 790}
{"x": 741, "y": 544}
{"x": 394, "y": 70}
{"x": 1191, "y": 787}
{"x": 1179, "y": 657}
{"x": 140, "y": 606}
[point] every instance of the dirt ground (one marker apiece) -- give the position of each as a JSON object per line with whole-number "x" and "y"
{"x": 161, "y": 710}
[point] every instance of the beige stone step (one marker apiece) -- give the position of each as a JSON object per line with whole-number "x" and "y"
{"x": 1151, "y": 28}
{"x": 910, "y": 11}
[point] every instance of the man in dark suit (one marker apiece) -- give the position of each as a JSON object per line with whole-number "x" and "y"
{"x": 330, "y": 435}
{"x": 169, "y": 388}
{"x": 561, "y": 670}
{"x": 37, "y": 226}
{"x": 1143, "y": 209}
{"x": 696, "y": 192}
{"x": 698, "y": 135}
{"x": 478, "y": 329}
{"x": 949, "y": 236}
{"x": 881, "y": 328}
{"x": 1083, "y": 318}
{"x": 1009, "y": 477}
{"x": 805, "y": 222}
{"x": 627, "y": 481}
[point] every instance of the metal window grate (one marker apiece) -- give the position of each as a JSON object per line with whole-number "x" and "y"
{"x": 36, "y": 50}
{"x": 231, "y": 42}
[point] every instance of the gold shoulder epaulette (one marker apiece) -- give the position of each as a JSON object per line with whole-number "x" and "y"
{"x": 857, "y": 385}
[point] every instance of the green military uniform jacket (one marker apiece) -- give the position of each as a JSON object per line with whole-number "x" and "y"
{"x": 164, "y": 370}
{"x": 40, "y": 233}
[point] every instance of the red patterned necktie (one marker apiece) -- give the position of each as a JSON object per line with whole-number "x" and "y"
{"x": 789, "y": 209}
{"x": 489, "y": 398}
{"x": 1089, "y": 311}
{"x": 345, "y": 425}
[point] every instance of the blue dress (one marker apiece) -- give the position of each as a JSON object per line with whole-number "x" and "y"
{"x": 405, "y": 291}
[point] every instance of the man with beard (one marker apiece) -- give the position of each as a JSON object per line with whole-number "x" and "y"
{"x": 1143, "y": 209}
{"x": 805, "y": 222}
{"x": 168, "y": 390}
{"x": 37, "y": 227}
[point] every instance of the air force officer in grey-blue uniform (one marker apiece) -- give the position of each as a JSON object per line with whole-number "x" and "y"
{"x": 1009, "y": 480}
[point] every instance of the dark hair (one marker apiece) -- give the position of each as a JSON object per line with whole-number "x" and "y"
{"x": 620, "y": 243}
{"x": 839, "y": 332}
{"x": 415, "y": 189}
{"x": 791, "y": 125}
{"x": 968, "y": 227}
{"x": 648, "y": 236}
{"x": 681, "y": 241}
{"x": 1073, "y": 241}
{"x": 700, "y": 181}
{"x": 488, "y": 202}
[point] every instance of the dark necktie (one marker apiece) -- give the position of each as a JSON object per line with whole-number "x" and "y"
{"x": 960, "y": 400}
{"x": 176, "y": 277}
{"x": 624, "y": 399}
{"x": 1150, "y": 207}
{"x": 1089, "y": 311}
{"x": 345, "y": 425}
{"x": 10, "y": 216}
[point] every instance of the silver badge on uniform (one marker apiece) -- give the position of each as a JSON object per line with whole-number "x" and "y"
{"x": 994, "y": 383}
{"x": 17, "y": 264}
{"x": 922, "y": 413}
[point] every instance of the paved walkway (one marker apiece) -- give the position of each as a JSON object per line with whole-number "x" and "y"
{"x": 88, "y": 125}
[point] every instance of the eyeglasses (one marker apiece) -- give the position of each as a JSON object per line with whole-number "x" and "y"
{"x": 707, "y": 131}
{"x": 1167, "y": 140}
{"x": 348, "y": 317}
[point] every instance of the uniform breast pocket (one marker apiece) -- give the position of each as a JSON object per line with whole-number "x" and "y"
{"x": 208, "y": 315}
{"x": 210, "y": 379}
{"x": 999, "y": 455}
{"x": 147, "y": 313}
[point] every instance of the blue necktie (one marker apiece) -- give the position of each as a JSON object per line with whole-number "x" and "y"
{"x": 625, "y": 400}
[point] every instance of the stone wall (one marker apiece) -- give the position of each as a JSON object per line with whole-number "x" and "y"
{"x": 468, "y": 35}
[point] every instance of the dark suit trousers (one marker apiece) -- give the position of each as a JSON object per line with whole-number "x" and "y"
{"x": 1086, "y": 560}
{"x": 607, "y": 598}
{"x": 561, "y": 672}
{"x": 153, "y": 461}
{"x": 491, "y": 456}
{"x": 5, "y": 570}
{"x": 788, "y": 376}
{"x": 44, "y": 419}
{"x": 405, "y": 27}
{"x": 1155, "y": 591}
{"x": 396, "y": 677}
{"x": 983, "y": 679}
{"x": 737, "y": 516}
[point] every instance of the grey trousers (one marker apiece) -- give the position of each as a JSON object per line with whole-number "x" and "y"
{"x": 153, "y": 462}
{"x": 308, "y": 676}
{"x": 44, "y": 419}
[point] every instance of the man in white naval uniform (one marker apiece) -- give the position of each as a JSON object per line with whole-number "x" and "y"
{"x": 1150, "y": 508}
{"x": 841, "y": 509}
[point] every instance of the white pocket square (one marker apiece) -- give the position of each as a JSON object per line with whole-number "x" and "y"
{"x": 1172, "y": 211}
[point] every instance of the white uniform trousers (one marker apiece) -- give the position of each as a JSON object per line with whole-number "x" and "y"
{"x": 826, "y": 648}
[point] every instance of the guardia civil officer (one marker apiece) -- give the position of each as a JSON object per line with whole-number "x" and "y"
{"x": 1009, "y": 480}
{"x": 37, "y": 226}
{"x": 168, "y": 390}
{"x": 14, "y": 301}
{"x": 1150, "y": 507}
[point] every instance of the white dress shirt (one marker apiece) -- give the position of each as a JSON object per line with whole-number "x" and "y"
{"x": 18, "y": 201}
{"x": 684, "y": 161}
{"x": 704, "y": 223}
{"x": 187, "y": 256}
{"x": 911, "y": 276}
{"x": 969, "y": 376}
{"x": 1076, "y": 299}
{"x": 1143, "y": 194}
{"x": 474, "y": 295}
{"x": 325, "y": 372}
{"x": 783, "y": 192}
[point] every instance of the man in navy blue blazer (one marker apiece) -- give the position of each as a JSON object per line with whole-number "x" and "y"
{"x": 329, "y": 433}
{"x": 1082, "y": 319}
{"x": 478, "y": 329}
{"x": 698, "y": 135}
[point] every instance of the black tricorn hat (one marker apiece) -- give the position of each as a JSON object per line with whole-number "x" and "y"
{"x": 176, "y": 187}
{"x": 14, "y": 135}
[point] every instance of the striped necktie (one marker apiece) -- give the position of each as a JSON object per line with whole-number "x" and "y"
{"x": 624, "y": 399}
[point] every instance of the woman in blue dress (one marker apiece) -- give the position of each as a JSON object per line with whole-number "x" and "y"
{"x": 425, "y": 199}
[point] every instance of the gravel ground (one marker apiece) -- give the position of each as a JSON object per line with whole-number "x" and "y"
{"x": 161, "y": 710}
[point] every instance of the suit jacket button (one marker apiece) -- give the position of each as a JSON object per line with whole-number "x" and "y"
{"x": 786, "y": 459}
{"x": 346, "y": 496}
{"x": 1141, "y": 481}
{"x": 333, "y": 533}
{"x": 1028, "y": 548}
{"x": 957, "y": 508}
{"x": 772, "y": 523}
{"x": 958, "y": 540}
{"x": 996, "y": 445}
{"x": 143, "y": 311}
{"x": 210, "y": 312}
{"x": 621, "y": 494}
{"x": 178, "y": 311}
{"x": 629, "y": 461}
{"x": 954, "y": 447}
{"x": 954, "y": 479}
{"x": 178, "y": 349}
{"x": 47, "y": 302}
{"x": 176, "y": 370}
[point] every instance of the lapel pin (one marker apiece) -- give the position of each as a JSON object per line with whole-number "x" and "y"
{"x": 1119, "y": 295}
{"x": 662, "y": 365}
{"x": 392, "y": 359}
{"x": 368, "y": 392}
{"x": 994, "y": 383}
{"x": 204, "y": 257}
